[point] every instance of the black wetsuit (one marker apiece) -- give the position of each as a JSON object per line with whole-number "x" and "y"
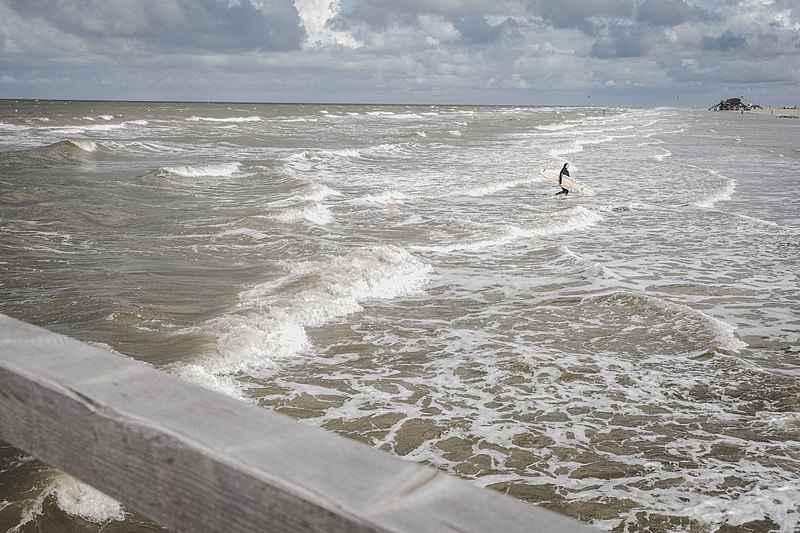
{"x": 564, "y": 172}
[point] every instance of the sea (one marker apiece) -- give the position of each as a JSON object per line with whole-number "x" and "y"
{"x": 405, "y": 277}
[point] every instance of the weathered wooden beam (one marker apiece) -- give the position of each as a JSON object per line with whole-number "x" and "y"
{"x": 195, "y": 460}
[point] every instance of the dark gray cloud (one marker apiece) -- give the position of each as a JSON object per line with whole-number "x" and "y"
{"x": 377, "y": 16}
{"x": 209, "y": 25}
{"x": 622, "y": 42}
{"x": 577, "y": 13}
{"x": 663, "y": 13}
{"x": 723, "y": 43}
{"x": 476, "y": 29}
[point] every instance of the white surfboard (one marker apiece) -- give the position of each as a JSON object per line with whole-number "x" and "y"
{"x": 571, "y": 184}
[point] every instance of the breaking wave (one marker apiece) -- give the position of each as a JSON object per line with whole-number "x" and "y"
{"x": 269, "y": 323}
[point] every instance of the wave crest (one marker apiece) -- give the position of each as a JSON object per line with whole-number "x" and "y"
{"x": 270, "y": 320}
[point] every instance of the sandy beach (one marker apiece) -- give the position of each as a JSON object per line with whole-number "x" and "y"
{"x": 778, "y": 112}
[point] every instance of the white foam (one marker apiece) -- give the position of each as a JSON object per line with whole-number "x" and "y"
{"x": 387, "y": 198}
{"x": 226, "y": 119}
{"x": 200, "y": 375}
{"x": 555, "y": 127}
{"x": 84, "y": 144}
{"x": 32, "y": 508}
{"x": 309, "y": 211}
{"x": 319, "y": 192}
{"x": 311, "y": 160}
{"x": 74, "y": 498}
{"x": 94, "y": 127}
{"x": 723, "y": 191}
{"x": 79, "y": 499}
{"x": 499, "y": 237}
{"x": 213, "y": 169}
{"x": 755, "y": 504}
{"x": 573, "y": 219}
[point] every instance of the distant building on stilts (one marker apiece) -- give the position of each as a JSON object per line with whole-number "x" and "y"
{"x": 733, "y": 104}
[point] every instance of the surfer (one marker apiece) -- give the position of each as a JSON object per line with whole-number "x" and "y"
{"x": 564, "y": 172}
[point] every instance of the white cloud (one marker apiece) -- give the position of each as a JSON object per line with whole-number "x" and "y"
{"x": 317, "y": 17}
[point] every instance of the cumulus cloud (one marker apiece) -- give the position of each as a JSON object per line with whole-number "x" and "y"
{"x": 725, "y": 42}
{"x": 621, "y": 42}
{"x": 319, "y": 18}
{"x": 664, "y": 12}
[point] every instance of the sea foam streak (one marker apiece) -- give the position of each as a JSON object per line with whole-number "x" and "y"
{"x": 572, "y": 219}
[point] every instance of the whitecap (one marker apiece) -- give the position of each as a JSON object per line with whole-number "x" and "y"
{"x": 226, "y": 119}
{"x": 212, "y": 169}
{"x": 387, "y": 198}
{"x": 555, "y": 127}
{"x": 84, "y": 144}
{"x": 310, "y": 211}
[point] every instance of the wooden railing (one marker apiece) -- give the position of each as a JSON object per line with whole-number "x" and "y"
{"x": 194, "y": 460}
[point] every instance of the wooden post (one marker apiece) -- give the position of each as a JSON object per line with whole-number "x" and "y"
{"x": 195, "y": 460}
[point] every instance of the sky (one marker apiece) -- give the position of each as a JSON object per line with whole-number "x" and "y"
{"x": 509, "y": 52}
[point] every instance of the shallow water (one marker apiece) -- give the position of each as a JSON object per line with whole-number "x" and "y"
{"x": 405, "y": 277}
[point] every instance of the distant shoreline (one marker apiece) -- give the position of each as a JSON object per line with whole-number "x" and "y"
{"x": 777, "y": 112}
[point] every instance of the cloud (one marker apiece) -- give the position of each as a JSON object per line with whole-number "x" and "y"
{"x": 577, "y": 13}
{"x": 621, "y": 42}
{"x": 319, "y": 17}
{"x": 393, "y": 50}
{"x": 661, "y": 13}
{"x": 175, "y": 25}
{"x": 725, "y": 42}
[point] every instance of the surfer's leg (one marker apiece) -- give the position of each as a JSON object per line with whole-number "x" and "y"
{"x": 565, "y": 191}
